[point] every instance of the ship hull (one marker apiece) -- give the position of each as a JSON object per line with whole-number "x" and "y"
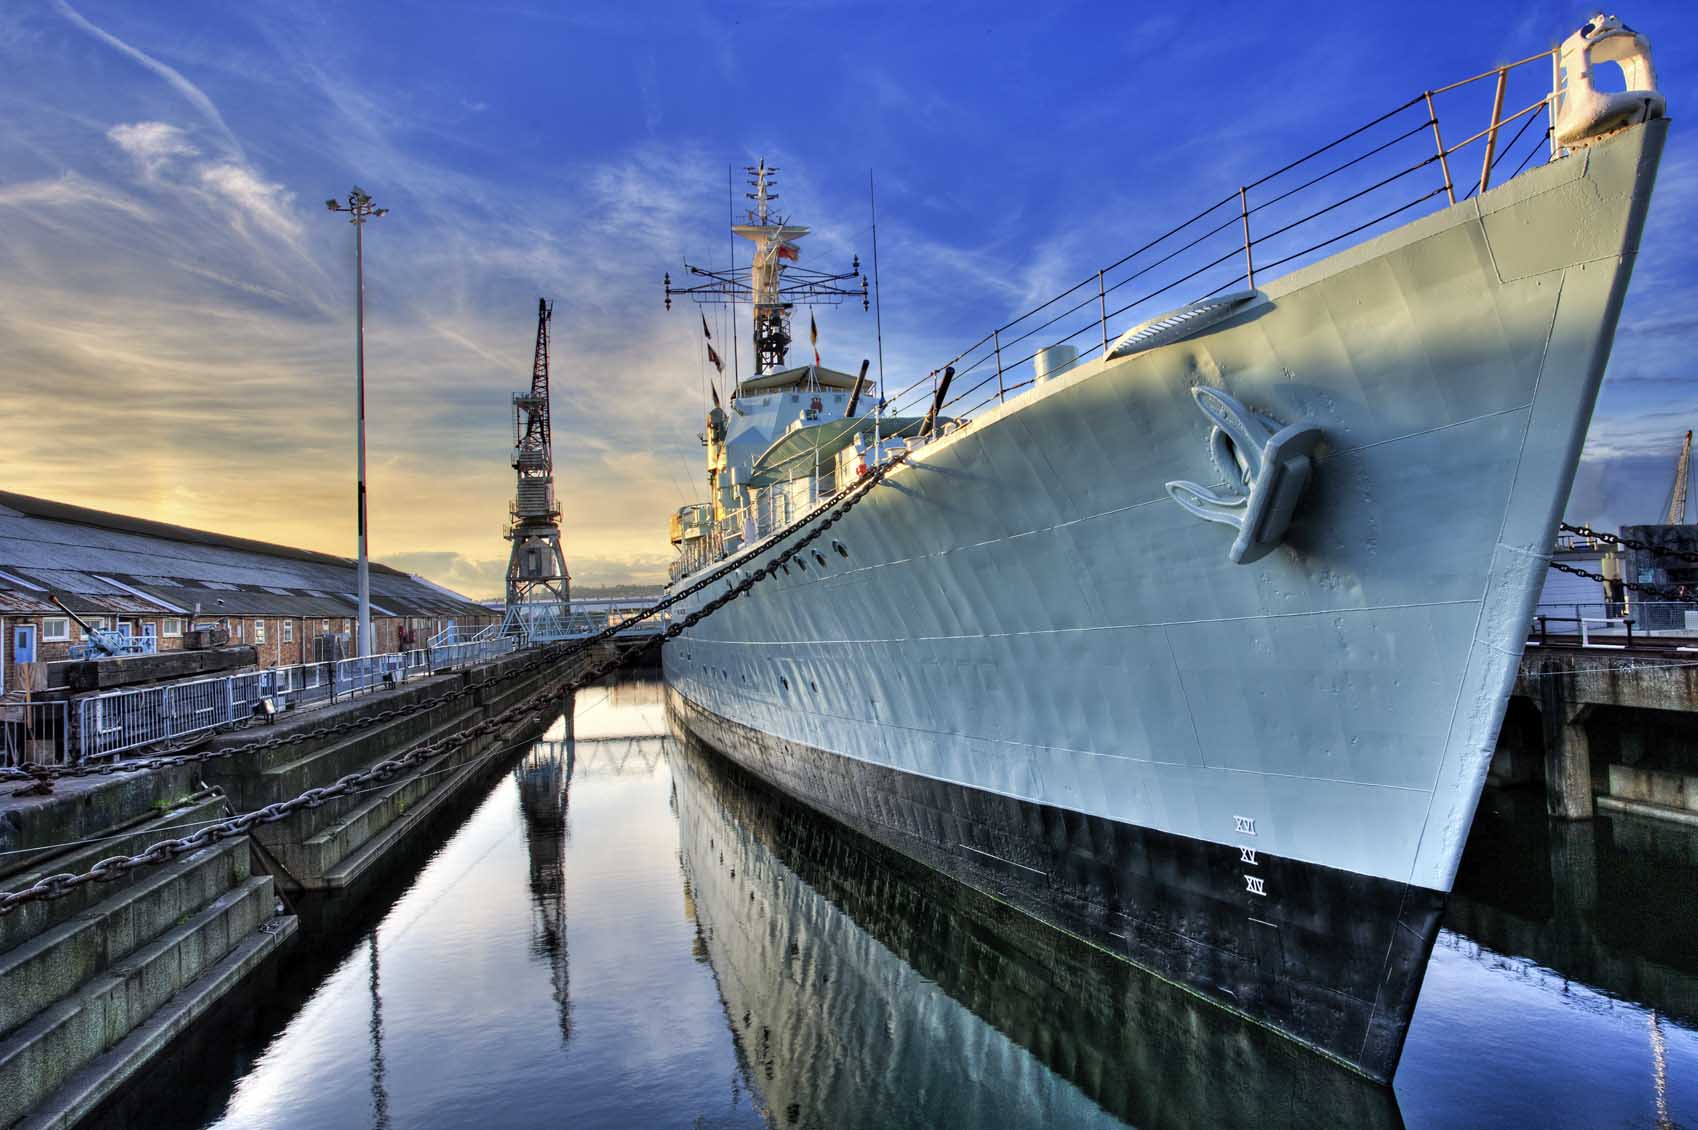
{"x": 1336, "y": 964}
{"x": 824, "y": 943}
{"x": 1019, "y": 661}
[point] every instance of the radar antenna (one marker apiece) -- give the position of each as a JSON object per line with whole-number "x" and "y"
{"x": 774, "y": 282}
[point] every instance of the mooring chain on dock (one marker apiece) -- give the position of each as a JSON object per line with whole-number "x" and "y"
{"x": 1630, "y": 586}
{"x": 1628, "y": 543}
{"x": 30, "y": 771}
{"x": 538, "y": 704}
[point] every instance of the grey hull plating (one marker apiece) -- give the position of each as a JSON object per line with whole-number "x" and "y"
{"x": 1023, "y": 612}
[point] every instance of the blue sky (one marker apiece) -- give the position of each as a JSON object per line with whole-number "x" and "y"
{"x": 175, "y": 303}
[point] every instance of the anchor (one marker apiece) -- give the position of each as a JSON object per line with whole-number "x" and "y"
{"x": 1274, "y": 465}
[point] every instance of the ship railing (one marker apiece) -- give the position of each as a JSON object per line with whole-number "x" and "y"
{"x": 1389, "y": 171}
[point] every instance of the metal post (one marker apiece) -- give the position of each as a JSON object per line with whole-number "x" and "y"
{"x": 359, "y": 208}
{"x": 1244, "y": 215}
{"x": 1492, "y": 133}
{"x": 996, "y": 343}
{"x": 1444, "y": 161}
{"x": 1102, "y": 311}
{"x": 364, "y": 645}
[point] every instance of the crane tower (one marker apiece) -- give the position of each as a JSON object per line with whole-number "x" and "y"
{"x": 538, "y": 586}
{"x": 1675, "y": 511}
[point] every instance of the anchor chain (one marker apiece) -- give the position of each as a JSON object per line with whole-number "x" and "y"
{"x": 1628, "y": 543}
{"x": 31, "y": 771}
{"x": 1630, "y": 586}
{"x": 537, "y": 705}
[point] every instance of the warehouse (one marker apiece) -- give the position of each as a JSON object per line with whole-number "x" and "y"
{"x": 150, "y": 580}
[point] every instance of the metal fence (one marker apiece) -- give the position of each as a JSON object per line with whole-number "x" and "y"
{"x": 34, "y": 731}
{"x": 1649, "y": 617}
{"x": 118, "y": 721}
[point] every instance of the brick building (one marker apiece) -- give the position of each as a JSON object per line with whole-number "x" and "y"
{"x": 147, "y": 579}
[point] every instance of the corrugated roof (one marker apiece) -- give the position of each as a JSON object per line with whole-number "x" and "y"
{"x": 123, "y": 523}
{"x": 68, "y": 549}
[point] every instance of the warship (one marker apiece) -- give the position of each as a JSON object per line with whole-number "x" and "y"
{"x": 1188, "y": 629}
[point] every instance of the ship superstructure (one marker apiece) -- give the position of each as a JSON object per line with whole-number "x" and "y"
{"x": 1148, "y": 633}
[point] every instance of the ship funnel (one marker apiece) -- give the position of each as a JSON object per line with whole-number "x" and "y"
{"x": 1584, "y": 113}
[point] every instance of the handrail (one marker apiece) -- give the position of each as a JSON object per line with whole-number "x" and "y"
{"x": 1197, "y": 245}
{"x": 1199, "y": 253}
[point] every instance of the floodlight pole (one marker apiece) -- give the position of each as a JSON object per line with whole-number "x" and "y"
{"x": 360, "y": 209}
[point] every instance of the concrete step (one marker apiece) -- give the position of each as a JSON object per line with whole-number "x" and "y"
{"x": 492, "y": 757}
{"x": 63, "y": 1038}
{"x": 308, "y": 822}
{"x": 87, "y": 1089}
{"x": 308, "y": 858}
{"x": 32, "y": 918}
{"x": 53, "y": 963}
{"x": 356, "y": 710}
{"x": 284, "y": 778}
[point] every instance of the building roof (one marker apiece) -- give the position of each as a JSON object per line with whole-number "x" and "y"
{"x": 103, "y": 563}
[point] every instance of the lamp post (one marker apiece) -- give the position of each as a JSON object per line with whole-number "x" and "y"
{"x": 360, "y": 209}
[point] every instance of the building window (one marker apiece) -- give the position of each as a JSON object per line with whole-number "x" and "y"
{"x": 56, "y": 629}
{"x": 288, "y": 631}
{"x": 173, "y": 626}
{"x": 97, "y": 622}
{"x": 259, "y": 631}
{"x": 237, "y": 624}
{"x": 325, "y": 625}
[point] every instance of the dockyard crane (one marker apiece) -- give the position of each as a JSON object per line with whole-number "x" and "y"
{"x": 1675, "y": 512}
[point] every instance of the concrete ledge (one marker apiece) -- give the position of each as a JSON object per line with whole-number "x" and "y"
{"x": 81, "y": 807}
{"x": 32, "y": 918}
{"x": 58, "y": 1041}
{"x": 1649, "y": 811}
{"x": 87, "y": 1088}
{"x": 54, "y": 963}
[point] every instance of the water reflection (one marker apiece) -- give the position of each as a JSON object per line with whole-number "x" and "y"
{"x": 737, "y": 960}
{"x": 1564, "y": 987}
{"x": 1609, "y": 902}
{"x": 543, "y": 778}
{"x": 869, "y": 991}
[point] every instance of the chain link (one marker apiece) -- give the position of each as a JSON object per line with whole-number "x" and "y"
{"x": 537, "y": 705}
{"x": 1630, "y": 586}
{"x": 1628, "y": 543}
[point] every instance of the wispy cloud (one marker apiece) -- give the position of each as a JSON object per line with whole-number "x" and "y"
{"x": 67, "y": 191}
{"x": 192, "y": 93}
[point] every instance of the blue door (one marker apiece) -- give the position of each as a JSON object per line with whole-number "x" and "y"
{"x": 23, "y": 643}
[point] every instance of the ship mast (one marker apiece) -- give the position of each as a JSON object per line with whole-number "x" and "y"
{"x": 774, "y": 282}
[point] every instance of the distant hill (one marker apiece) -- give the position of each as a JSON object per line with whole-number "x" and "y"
{"x": 609, "y": 592}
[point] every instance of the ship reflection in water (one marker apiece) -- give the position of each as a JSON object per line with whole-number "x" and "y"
{"x": 867, "y": 990}
{"x": 628, "y": 930}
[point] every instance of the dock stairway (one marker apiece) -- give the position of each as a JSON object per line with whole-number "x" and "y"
{"x": 97, "y": 982}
